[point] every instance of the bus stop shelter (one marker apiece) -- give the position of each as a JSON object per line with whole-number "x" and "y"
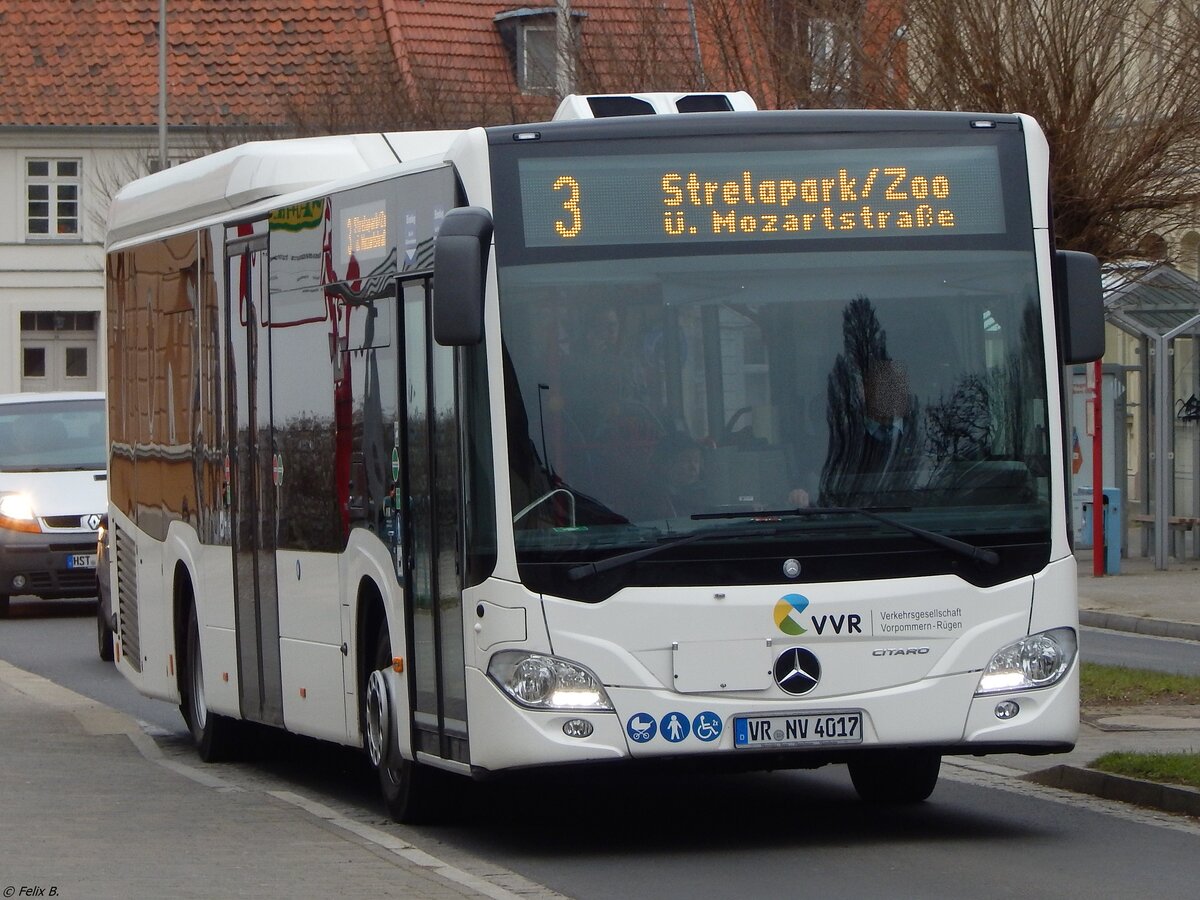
{"x": 1160, "y": 307}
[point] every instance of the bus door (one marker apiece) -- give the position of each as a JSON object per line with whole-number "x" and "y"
{"x": 252, "y": 472}
{"x": 430, "y": 486}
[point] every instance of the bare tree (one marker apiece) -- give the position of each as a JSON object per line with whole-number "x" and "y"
{"x": 653, "y": 49}
{"x": 1115, "y": 85}
{"x": 804, "y": 53}
{"x": 372, "y": 92}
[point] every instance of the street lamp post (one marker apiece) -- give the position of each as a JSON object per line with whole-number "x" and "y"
{"x": 162, "y": 84}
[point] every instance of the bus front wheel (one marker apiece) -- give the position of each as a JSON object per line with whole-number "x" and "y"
{"x": 896, "y": 776}
{"x": 405, "y": 784}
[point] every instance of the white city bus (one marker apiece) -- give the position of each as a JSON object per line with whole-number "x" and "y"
{"x": 555, "y": 443}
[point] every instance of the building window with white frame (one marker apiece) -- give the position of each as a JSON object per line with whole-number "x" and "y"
{"x": 52, "y": 188}
{"x": 539, "y": 63}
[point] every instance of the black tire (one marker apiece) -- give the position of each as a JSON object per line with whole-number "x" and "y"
{"x": 897, "y": 776}
{"x": 104, "y": 634}
{"x": 407, "y": 787}
{"x": 217, "y": 738}
{"x": 4, "y": 606}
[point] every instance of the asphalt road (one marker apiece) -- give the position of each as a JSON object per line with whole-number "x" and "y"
{"x": 57, "y": 640}
{"x": 1116, "y": 648}
{"x": 617, "y": 834}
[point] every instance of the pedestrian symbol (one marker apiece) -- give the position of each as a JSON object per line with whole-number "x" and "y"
{"x": 674, "y": 727}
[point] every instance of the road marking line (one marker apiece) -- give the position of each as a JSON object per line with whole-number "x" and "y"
{"x": 395, "y": 845}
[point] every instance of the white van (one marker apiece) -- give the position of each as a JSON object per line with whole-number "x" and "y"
{"x": 53, "y": 493}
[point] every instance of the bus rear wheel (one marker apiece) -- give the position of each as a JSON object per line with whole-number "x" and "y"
{"x": 217, "y": 737}
{"x": 104, "y": 634}
{"x": 896, "y": 776}
{"x": 405, "y": 785}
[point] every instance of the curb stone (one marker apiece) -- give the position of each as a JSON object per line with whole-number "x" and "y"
{"x": 1171, "y": 798}
{"x": 1187, "y": 631}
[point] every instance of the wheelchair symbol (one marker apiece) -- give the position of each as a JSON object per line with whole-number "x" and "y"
{"x": 707, "y": 726}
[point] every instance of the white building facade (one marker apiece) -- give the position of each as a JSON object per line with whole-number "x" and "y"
{"x": 55, "y": 185}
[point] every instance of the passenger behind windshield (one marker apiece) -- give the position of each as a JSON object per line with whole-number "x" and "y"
{"x": 603, "y": 380}
{"x": 874, "y": 433}
{"x": 674, "y": 486}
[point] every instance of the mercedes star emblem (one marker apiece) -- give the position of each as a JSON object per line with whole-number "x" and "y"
{"x": 797, "y": 670}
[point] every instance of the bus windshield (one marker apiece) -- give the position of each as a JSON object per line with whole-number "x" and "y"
{"x": 653, "y": 394}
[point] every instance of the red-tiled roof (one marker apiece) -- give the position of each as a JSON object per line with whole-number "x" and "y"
{"x": 318, "y": 64}
{"x": 456, "y": 54}
{"x": 95, "y": 62}
{"x": 454, "y": 60}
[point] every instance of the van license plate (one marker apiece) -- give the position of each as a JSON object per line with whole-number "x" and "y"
{"x": 837, "y": 727}
{"x": 81, "y": 561}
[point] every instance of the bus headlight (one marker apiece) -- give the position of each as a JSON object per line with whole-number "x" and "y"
{"x": 1036, "y": 661}
{"x": 547, "y": 682}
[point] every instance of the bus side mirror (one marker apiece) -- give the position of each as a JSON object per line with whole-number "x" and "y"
{"x": 1080, "y": 305}
{"x": 460, "y": 258}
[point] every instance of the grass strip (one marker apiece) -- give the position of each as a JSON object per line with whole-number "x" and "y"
{"x": 1118, "y": 686}
{"x": 1167, "y": 768}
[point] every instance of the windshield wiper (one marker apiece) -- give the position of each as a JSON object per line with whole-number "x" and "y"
{"x": 960, "y": 547}
{"x": 603, "y": 565}
{"x": 770, "y": 518}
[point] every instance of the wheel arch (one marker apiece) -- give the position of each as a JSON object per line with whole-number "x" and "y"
{"x": 183, "y": 599}
{"x": 370, "y": 616}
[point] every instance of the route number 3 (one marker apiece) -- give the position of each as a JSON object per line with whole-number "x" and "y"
{"x": 573, "y": 225}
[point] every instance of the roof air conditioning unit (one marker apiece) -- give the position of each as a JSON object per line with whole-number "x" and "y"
{"x": 599, "y": 106}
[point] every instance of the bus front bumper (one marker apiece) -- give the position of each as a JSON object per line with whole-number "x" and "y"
{"x": 940, "y": 713}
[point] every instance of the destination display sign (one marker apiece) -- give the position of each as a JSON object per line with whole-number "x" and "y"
{"x": 761, "y": 196}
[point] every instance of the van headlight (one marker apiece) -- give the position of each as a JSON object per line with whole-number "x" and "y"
{"x": 16, "y": 513}
{"x": 547, "y": 682}
{"x": 1036, "y": 661}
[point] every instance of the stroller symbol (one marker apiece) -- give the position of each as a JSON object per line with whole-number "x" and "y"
{"x": 641, "y": 728}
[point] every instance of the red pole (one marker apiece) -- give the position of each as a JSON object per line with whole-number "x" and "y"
{"x": 1098, "y": 549}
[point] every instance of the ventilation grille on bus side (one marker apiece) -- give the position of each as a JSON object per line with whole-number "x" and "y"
{"x": 125, "y": 549}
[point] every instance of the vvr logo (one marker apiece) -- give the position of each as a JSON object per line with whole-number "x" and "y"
{"x": 788, "y": 612}
{"x": 844, "y": 624}
{"x": 790, "y": 619}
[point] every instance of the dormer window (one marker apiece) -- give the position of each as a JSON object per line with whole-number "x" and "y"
{"x": 531, "y": 38}
{"x": 536, "y": 69}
